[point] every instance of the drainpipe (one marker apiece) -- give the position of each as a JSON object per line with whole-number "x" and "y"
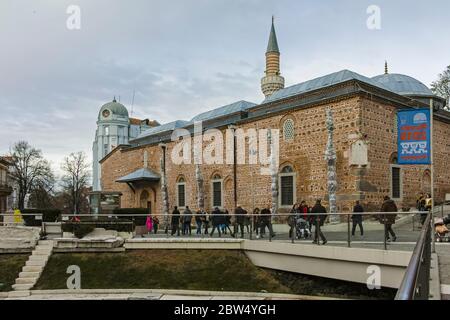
{"x": 233, "y": 128}
{"x": 164, "y": 195}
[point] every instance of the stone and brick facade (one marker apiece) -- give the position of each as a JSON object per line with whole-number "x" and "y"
{"x": 364, "y": 112}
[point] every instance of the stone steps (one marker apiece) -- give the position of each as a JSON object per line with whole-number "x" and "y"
{"x": 21, "y": 280}
{"x": 43, "y": 247}
{"x": 36, "y": 263}
{"x": 26, "y": 274}
{"x": 43, "y": 252}
{"x": 33, "y": 268}
{"x": 22, "y": 287}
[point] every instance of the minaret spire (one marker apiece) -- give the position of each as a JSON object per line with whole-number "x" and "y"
{"x": 272, "y": 82}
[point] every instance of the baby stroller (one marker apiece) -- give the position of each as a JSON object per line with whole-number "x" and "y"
{"x": 441, "y": 230}
{"x": 302, "y": 228}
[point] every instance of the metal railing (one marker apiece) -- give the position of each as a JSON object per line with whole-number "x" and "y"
{"x": 283, "y": 225}
{"x": 415, "y": 284}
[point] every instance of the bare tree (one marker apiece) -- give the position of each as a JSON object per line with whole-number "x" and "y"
{"x": 441, "y": 86}
{"x": 42, "y": 194}
{"x": 29, "y": 169}
{"x": 75, "y": 178}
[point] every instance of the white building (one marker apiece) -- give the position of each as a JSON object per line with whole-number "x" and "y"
{"x": 114, "y": 127}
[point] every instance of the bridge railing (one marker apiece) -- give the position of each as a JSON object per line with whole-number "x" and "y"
{"x": 415, "y": 283}
{"x": 255, "y": 226}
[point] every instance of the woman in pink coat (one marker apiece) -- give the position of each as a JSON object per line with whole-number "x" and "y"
{"x": 149, "y": 224}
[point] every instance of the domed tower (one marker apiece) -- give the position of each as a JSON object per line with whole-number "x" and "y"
{"x": 114, "y": 127}
{"x": 272, "y": 82}
{"x": 112, "y": 130}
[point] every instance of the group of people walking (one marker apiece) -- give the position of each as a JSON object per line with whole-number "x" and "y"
{"x": 220, "y": 221}
{"x": 301, "y": 220}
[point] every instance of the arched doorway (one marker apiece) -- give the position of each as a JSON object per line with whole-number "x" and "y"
{"x": 144, "y": 200}
{"x": 426, "y": 181}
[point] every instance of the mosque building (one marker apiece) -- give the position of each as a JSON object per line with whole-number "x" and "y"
{"x": 136, "y": 161}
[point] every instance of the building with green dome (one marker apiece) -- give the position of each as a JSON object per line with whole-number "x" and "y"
{"x": 114, "y": 128}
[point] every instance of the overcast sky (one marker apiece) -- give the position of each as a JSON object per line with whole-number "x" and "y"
{"x": 186, "y": 56}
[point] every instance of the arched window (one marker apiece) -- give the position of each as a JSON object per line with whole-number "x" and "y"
{"x": 288, "y": 130}
{"x": 287, "y": 189}
{"x": 181, "y": 192}
{"x": 426, "y": 181}
{"x": 395, "y": 178}
{"x": 216, "y": 191}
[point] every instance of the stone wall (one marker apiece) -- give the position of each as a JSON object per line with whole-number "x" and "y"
{"x": 356, "y": 119}
{"x": 379, "y": 125}
{"x": 305, "y": 154}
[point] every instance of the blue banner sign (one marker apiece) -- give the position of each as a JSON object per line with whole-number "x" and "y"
{"x": 414, "y": 132}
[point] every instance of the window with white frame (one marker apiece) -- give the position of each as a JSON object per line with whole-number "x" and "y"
{"x": 106, "y": 128}
{"x": 287, "y": 190}
{"x": 181, "y": 193}
{"x": 288, "y": 130}
{"x": 216, "y": 191}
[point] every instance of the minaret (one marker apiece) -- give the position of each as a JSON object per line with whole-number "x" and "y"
{"x": 272, "y": 82}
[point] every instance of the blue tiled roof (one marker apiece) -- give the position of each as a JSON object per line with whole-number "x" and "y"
{"x": 403, "y": 84}
{"x": 223, "y": 111}
{"x": 322, "y": 82}
{"x": 139, "y": 175}
{"x": 163, "y": 128}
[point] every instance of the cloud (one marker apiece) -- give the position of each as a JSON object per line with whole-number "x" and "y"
{"x": 184, "y": 57}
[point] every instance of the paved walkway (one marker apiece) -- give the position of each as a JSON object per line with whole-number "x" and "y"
{"x": 337, "y": 235}
{"x": 149, "y": 294}
{"x": 443, "y": 252}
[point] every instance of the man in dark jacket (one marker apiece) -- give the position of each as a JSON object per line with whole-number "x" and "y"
{"x": 318, "y": 218}
{"x": 216, "y": 220}
{"x": 265, "y": 218}
{"x": 239, "y": 214}
{"x": 187, "y": 220}
{"x": 388, "y": 219}
{"x": 357, "y": 218}
{"x": 199, "y": 216}
{"x": 175, "y": 221}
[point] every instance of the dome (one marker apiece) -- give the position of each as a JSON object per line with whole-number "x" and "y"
{"x": 113, "y": 109}
{"x": 403, "y": 84}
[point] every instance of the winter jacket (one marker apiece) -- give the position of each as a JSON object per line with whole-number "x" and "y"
{"x": 318, "y": 208}
{"x": 187, "y": 216}
{"x": 357, "y": 217}
{"x": 304, "y": 210}
{"x": 199, "y": 217}
{"x": 149, "y": 223}
{"x": 239, "y": 212}
{"x": 216, "y": 219}
{"x": 265, "y": 216}
{"x": 388, "y": 206}
{"x": 175, "y": 216}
